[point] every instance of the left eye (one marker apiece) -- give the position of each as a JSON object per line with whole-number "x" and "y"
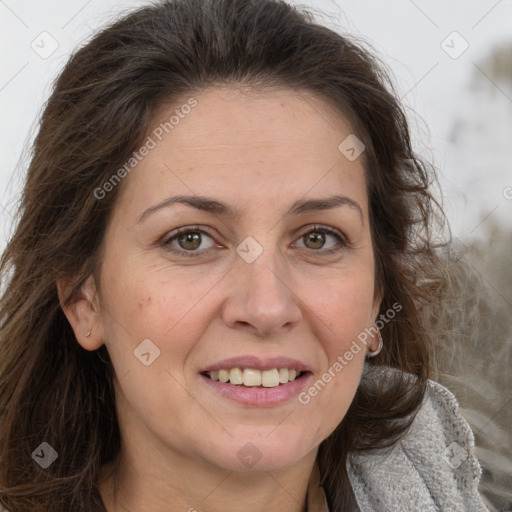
{"x": 316, "y": 238}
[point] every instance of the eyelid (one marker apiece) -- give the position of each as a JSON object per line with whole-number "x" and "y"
{"x": 324, "y": 228}
{"x": 185, "y": 229}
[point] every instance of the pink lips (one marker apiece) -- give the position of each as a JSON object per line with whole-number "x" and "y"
{"x": 256, "y": 396}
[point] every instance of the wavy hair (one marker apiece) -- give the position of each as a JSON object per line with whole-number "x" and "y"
{"x": 100, "y": 109}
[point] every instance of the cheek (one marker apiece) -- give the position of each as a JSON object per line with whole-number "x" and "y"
{"x": 345, "y": 307}
{"x": 332, "y": 390}
{"x": 144, "y": 307}
{"x": 144, "y": 302}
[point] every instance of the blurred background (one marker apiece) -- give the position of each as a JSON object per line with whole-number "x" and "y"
{"x": 452, "y": 67}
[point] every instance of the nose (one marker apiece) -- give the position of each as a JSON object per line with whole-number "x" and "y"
{"x": 263, "y": 296}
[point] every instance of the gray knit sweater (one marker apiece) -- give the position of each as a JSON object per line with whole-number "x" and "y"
{"x": 431, "y": 469}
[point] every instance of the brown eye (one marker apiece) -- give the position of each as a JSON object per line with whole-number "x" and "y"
{"x": 314, "y": 240}
{"x": 189, "y": 241}
{"x": 317, "y": 238}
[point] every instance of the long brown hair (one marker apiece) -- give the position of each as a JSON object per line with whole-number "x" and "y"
{"x": 99, "y": 112}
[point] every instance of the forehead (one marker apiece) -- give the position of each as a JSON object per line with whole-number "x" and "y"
{"x": 247, "y": 118}
{"x": 241, "y": 143}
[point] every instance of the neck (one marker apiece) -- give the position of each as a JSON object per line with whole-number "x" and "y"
{"x": 187, "y": 485}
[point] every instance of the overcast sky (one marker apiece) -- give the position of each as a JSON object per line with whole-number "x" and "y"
{"x": 432, "y": 46}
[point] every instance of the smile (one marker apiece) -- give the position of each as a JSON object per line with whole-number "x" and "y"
{"x": 257, "y": 388}
{"x": 251, "y": 377}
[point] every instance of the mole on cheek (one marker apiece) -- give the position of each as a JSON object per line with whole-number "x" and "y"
{"x": 147, "y": 302}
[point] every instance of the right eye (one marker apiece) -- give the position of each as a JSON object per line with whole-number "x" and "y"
{"x": 186, "y": 241}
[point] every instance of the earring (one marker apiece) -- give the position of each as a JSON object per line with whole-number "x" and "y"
{"x": 87, "y": 334}
{"x": 381, "y": 344}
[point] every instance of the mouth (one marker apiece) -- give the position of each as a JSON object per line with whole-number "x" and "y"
{"x": 254, "y": 378}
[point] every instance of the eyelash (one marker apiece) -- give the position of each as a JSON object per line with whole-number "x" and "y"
{"x": 317, "y": 228}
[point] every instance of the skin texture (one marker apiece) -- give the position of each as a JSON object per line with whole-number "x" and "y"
{"x": 259, "y": 152}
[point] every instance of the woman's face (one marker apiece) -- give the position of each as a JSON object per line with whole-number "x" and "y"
{"x": 251, "y": 278}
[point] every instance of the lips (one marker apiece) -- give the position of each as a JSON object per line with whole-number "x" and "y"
{"x": 257, "y": 382}
{"x": 258, "y": 396}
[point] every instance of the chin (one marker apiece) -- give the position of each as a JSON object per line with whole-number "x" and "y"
{"x": 253, "y": 454}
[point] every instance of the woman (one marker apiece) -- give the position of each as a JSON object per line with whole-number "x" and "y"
{"x": 215, "y": 286}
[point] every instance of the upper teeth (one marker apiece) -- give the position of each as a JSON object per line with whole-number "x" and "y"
{"x": 251, "y": 377}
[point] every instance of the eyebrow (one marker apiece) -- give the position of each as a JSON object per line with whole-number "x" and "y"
{"x": 211, "y": 205}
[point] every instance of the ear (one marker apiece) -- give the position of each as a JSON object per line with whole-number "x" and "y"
{"x": 82, "y": 311}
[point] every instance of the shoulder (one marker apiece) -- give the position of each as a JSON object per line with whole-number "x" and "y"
{"x": 431, "y": 468}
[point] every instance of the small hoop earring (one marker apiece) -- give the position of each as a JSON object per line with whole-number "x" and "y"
{"x": 381, "y": 344}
